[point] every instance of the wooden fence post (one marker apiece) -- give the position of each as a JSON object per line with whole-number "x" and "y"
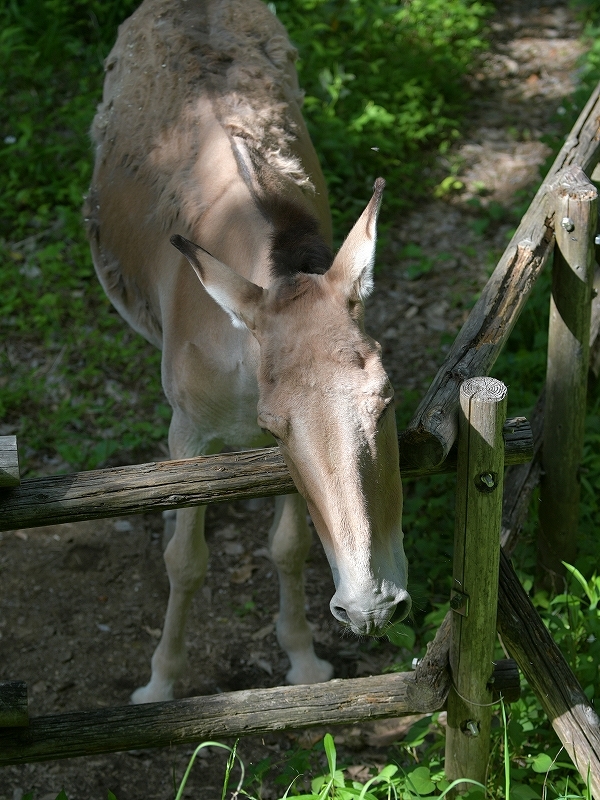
{"x": 432, "y": 430}
{"x": 475, "y": 576}
{"x": 566, "y": 381}
{"x": 9, "y": 462}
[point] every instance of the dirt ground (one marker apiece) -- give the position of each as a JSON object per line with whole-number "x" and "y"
{"x": 83, "y": 604}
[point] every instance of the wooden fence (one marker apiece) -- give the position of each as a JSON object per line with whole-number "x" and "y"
{"x": 460, "y": 425}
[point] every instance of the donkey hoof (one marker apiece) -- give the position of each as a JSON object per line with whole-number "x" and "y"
{"x": 151, "y": 693}
{"x": 315, "y": 671}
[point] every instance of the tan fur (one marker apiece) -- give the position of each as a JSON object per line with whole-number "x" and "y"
{"x": 200, "y": 134}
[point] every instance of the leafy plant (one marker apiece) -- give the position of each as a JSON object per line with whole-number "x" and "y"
{"x": 573, "y": 618}
{"x": 386, "y": 80}
{"x": 390, "y": 781}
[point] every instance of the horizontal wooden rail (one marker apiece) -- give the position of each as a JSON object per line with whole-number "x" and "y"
{"x": 433, "y": 429}
{"x": 253, "y": 711}
{"x": 119, "y": 491}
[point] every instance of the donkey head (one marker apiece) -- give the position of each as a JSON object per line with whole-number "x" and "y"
{"x": 326, "y": 399}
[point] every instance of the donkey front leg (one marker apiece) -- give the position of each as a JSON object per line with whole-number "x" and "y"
{"x": 289, "y": 543}
{"x": 186, "y": 558}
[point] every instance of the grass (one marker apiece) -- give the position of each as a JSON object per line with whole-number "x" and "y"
{"x": 76, "y": 385}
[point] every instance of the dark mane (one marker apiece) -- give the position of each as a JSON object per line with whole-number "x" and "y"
{"x": 296, "y": 244}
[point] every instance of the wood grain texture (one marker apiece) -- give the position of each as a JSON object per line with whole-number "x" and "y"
{"x": 595, "y": 323}
{"x": 566, "y": 374}
{"x": 506, "y": 681}
{"x": 519, "y": 482}
{"x": 9, "y": 462}
{"x": 433, "y": 429}
{"x": 119, "y": 491}
{"x": 521, "y": 479}
{"x": 528, "y": 641}
{"x": 242, "y": 713}
{"x": 13, "y": 704}
{"x": 475, "y": 577}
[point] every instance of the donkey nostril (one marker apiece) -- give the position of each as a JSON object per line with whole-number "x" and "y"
{"x": 402, "y": 610}
{"x": 340, "y": 614}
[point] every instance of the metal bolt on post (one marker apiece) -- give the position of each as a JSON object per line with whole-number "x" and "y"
{"x": 568, "y": 224}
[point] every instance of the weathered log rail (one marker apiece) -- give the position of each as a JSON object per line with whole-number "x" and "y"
{"x": 119, "y": 491}
{"x": 253, "y": 711}
{"x": 528, "y": 641}
{"x": 433, "y": 429}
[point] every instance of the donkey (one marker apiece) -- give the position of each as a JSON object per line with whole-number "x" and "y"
{"x": 210, "y": 232}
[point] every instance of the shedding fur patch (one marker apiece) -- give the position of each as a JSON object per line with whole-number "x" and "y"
{"x": 171, "y": 58}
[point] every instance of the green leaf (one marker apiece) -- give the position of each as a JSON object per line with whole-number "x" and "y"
{"x": 330, "y": 752}
{"x": 588, "y": 587}
{"x": 542, "y": 763}
{"x": 475, "y": 794}
{"x": 420, "y": 780}
{"x": 111, "y": 796}
{"x": 520, "y": 791}
{"x": 416, "y": 734}
{"x": 471, "y": 794}
{"x": 388, "y": 771}
{"x": 516, "y": 734}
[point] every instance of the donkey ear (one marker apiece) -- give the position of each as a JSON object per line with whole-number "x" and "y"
{"x": 353, "y": 264}
{"x": 237, "y": 296}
